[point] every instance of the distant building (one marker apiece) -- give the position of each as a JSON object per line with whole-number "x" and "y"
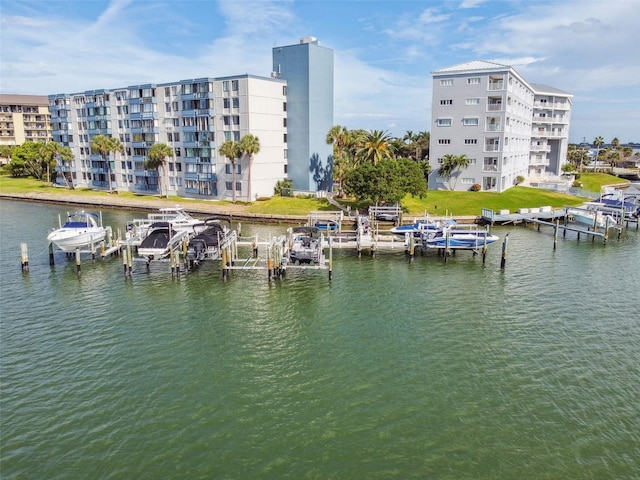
{"x": 505, "y": 126}
{"x": 195, "y": 117}
{"x": 308, "y": 69}
{"x": 24, "y": 118}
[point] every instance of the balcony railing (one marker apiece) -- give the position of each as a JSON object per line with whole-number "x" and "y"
{"x": 492, "y": 148}
{"x": 496, "y": 85}
{"x": 489, "y": 168}
{"x": 494, "y": 127}
{"x": 494, "y": 107}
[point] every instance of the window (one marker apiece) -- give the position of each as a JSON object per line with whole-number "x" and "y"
{"x": 473, "y": 81}
{"x": 225, "y": 86}
{"x": 284, "y": 122}
{"x": 284, "y": 90}
{"x": 446, "y": 102}
{"x": 226, "y": 102}
{"x": 444, "y": 122}
{"x": 468, "y": 181}
{"x": 473, "y": 101}
{"x": 284, "y": 106}
{"x": 285, "y": 138}
{"x": 470, "y": 122}
{"x": 234, "y": 85}
{"x": 446, "y": 82}
{"x": 236, "y": 102}
{"x": 470, "y": 141}
{"x": 444, "y": 141}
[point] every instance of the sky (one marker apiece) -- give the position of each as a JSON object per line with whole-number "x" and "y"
{"x": 384, "y": 50}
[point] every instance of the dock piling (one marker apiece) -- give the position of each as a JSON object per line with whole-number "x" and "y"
{"x": 24, "y": 258}
{"x": 52, "y": 260}
{"x": 78, "y": 263}
{"x": 503, "y": 261}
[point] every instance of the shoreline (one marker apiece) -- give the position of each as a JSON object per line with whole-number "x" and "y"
{"x": 230, "y": 213}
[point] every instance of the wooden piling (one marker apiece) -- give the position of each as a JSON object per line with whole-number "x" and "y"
{"x": 503, "y": 261}
{"x": 78, "y": 263}
{"x": 24, "y": 258}
{"x": 124, "y": 261}
{"x": 52, "y": 259}
{"x": 555, "y": 234}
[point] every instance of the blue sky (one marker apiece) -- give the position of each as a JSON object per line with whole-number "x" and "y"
{"x": 384, "y": 50}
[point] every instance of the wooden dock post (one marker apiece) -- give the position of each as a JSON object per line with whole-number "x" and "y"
{"x": 130, "y": 259}
{"x": 52, "y": 259}
{"x": 503, "y": 261}
{"x": 124, "y": 261}
{"x": 24, "y": 258}
{"x": 484, "y": 246}
{"x": 78, "y": 263}
{"x": 330, "y": 259}
{"x": 555, "y": 234}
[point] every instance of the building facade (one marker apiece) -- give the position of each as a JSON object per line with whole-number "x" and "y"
{"x": 24, "y": 118}
{"x": 194, "y": 117}
{"x": 307, "y": 68}
{"x": 506, "y": 127}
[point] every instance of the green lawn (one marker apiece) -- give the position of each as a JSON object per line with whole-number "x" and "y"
{"x": 437, "y": 202}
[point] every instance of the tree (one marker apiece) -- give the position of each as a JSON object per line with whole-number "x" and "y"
{"x": 387, "y": 181}
{"x": 250, "y": 144}
{"x": 158, "y": 154}
{"x": 598, "y": 142}
{"x": 232, "y": 150}
{"x": 104, "y": 146}
{"x": 577, "y": 156}
{"x": 451, "y": 163}
{"x": 376, "y": 146}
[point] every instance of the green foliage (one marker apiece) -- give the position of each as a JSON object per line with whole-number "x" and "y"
{"x": 280, "y": 184}
{"x": 388, "y": 181}
{"x": 476, "y": 187}
{"x": 519, "y": 179}
{"x": 35, "y": 159}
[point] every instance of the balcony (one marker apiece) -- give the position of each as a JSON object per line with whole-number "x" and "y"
{"x": 494, "y": 106}
{"x": 496, "y": 85}
{"x": 494, "y": 127}
{"x": 489, "y": 168}
{"x": 492, "y": 148}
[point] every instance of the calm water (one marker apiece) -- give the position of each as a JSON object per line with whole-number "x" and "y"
{"x": 391, "y": 370}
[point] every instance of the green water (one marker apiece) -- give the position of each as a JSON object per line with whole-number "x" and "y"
{"x": 393, "y": 369}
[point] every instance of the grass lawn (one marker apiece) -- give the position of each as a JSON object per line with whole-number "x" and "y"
{"x": 437, "y": 202}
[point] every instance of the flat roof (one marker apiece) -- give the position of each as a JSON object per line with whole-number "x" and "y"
{"x": 10, "y": 99}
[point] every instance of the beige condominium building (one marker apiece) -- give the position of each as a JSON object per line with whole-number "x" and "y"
{"x": 24, "y": 118}
{"x": 507, "y": 127}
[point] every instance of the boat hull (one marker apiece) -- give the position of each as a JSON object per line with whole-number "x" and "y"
{"x": 461, "y": 241}
{"x": 71, "y": 239}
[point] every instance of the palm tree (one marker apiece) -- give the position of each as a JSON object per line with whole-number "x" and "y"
{"x": 158, "y": 154}
{"x": 232, "y": 150}
{"x": 376, "y": 146}
{"x": 598, "y": 142}
{"x": 447, "y": 166}
{"x": 250, "y": 144}
{"x": 104, "y": 146}
{"x": 48, "y": 152}
{"x": 461, "y": 162}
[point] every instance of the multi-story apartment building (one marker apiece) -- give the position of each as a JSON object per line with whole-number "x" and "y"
{"x": 24, "y": 118}
{"x": 506, "y": 127}
{"x": 195, "y": 117}
{"x": 308, "y": 69}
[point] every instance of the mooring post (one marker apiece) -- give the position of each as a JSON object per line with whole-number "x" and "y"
{"x": 130, "y": 259}
{"x": 24, "y": 258}
{"x": 52, "y": 259}
{"x": 555, "y": 234}
{"x": 269, "y": 263}
{"x": 484, "y": 246}
{"x": 223, "y": 263}
{"x": 447, "y": 250}
{"x": 124, "y": 260}
{"x": 78, "y": 264}
{"x": 330, "y": 259}
{"x": 239, "y": 229}
{"x": 504, "y": 252}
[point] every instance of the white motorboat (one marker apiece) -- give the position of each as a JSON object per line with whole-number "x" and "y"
{"x": 82, "y": 230}
{"x": 306, "y": 245}
{"x": 181, "y": 221}
{"x": 590, "y": 216}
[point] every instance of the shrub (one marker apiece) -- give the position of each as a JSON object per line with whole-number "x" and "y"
{"x": 476, "y": 187}
{"x": 519, "y": 179}
{"x": 576, "y": 184}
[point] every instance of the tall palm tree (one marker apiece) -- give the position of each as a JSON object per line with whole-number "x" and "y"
{"x": 104, "y": 146}
{"x": 157, "y": 160}
{"x": 232, "y": 150}
{"x": 250, "y": 144}
{"x": 376, "y": 146}
{"x": 447, "y": 167}
{"x": 598, "y": 142}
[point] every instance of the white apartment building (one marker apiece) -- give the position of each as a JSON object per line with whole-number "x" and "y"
{"x": 507, "y": 127}
{"x": 192, "y": 116}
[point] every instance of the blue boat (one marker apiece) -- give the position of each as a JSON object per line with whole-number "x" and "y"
{"x": 421, "y": 226}
{"x": 457, "y": 238}
{"x": 327, "y": 225}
